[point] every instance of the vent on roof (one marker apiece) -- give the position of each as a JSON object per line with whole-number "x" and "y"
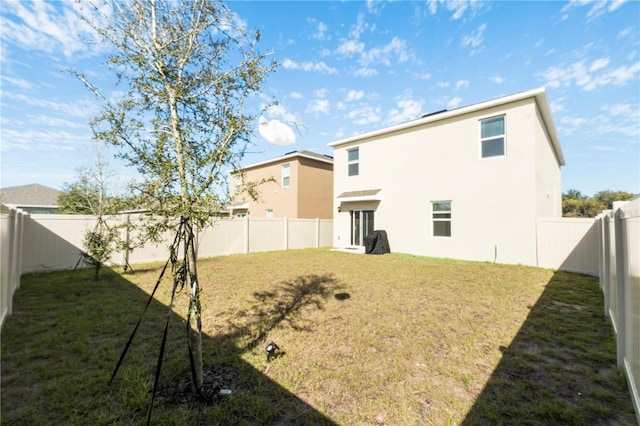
{"x": 292, "y": 152}
{"x": 434, "y": 113}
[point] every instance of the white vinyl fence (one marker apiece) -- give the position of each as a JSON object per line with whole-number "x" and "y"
{"x": 568, "y": 244}
{"x": 618, "y": 236}
{"x": 11, "y": 226}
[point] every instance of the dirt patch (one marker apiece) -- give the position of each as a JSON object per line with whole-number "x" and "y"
{"x": 218, "y": 382}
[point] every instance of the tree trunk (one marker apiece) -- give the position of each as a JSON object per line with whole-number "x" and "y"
{"x": 195, "y": 317}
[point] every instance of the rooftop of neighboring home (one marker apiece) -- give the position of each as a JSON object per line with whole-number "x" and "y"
{"x": 292, "y": 155}
{"x": 29, "y": 195}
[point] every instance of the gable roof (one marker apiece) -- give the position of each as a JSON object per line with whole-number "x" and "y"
{"x": 293, "y": 154}
{"x": 30, "y": 195}
{"x": 538, "y": 94}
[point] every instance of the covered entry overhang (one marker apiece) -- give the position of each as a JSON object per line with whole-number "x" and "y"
{"x": 359, "y": 196}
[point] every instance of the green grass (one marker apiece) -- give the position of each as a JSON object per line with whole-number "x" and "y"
{"x": 390, "y": 339}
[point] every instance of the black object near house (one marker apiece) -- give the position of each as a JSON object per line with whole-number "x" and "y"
{"x": 376, "y": 243}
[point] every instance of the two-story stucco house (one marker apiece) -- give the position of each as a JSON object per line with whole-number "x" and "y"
{"x": 468, "y": 183}
{"x": 298, "y": 184}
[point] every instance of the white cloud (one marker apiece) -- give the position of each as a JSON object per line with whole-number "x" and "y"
{"x": 47, "y": 27}
{"x": 497, "y": 79}
{"x": 296, "y": 95}
{"x": 276, "y": 132}
{"x": 598, "y": 7}
{"x": 394, "y": 52}
{"x": 454, "y": 102}
{"x": 364, "y": 115}
{"x": 599, "y": 64}
{"x": 350, "y": 47}
{"x": 587, "y": 77}
{"x": 539, "y": 43}
{"x": 321, "y": 31}
{"x": 625, "y": 32}
{"x": 320, "y": 67}
{"x": 279, "y": 111}
{"x": 475, "y": 39}
{"x": 318, "y": 106}
{"x": 406, "y": 109}
{"x": 442, "y": 84}
{"x": 457, "y": 7}
{"x": 365, "y": 72}
{"x": 462, "y": 83}
{"x": 18, "y": 82}
{"x": 354, "y": 95}
{"x": 424, "y": 76}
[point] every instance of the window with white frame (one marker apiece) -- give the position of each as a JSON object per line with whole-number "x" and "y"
{"x": 353, "y": 162}
{"x": 492, "y": 137}
{"x": 441, "y": 218}
{"x": 238, "y": 184}
{"x": 269, "y": 213}
{"x": 285, "y": 175}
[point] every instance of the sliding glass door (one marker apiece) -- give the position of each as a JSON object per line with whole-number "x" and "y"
{"x": 361, "y": 226}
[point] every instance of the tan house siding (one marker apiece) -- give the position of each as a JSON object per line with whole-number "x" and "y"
{"x": 308, "y": 195}
{"x": 315, "y": 196}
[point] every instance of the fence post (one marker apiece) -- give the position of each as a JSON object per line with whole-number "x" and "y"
{"x": 606, "y": 222}
{"x": 317, "y": 232}
{"x": 621, "y": 285}
{"x": 20, "y": 245}
{"x": 13, "y": 249}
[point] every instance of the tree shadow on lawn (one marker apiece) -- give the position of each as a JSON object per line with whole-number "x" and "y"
{"x": 561, "y": 366}
{"x": 39, "y": 390}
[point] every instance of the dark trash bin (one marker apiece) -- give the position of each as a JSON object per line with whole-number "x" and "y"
{"x": 376, "y": 243}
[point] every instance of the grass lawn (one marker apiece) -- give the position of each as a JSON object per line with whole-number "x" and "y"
{"x": 390, "y": 339}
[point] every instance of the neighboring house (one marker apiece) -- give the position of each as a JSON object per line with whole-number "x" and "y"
{"x": 300, "y": 186}
{"x": 34, "y": 198}
{"x": 468, "y": 183}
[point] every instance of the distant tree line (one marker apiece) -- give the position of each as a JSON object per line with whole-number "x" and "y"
{"x": 575, "y": 204}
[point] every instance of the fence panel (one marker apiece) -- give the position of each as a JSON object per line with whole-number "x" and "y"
{"x": 568, "y": 244}
{"x": 325, "y": 233}
{"x": 301, "y": 232}
{"x": 267, "y": 234}
{"x": 224, "y": 237}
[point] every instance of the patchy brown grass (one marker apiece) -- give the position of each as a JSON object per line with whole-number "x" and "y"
{"x": 386, "y": 339}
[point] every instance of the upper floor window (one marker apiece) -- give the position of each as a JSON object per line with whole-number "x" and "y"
{"x": 353, "y": 162}
{"x": 238, "y": 184}
{"x": 441, "y": 218}
{"x": 492, "y": 137}
{"x": 285, "y": 175}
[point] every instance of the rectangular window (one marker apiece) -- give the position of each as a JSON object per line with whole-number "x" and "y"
{"x": 353, "y": 162}
{"x": 441, "y": 218}
{"x": 269, "y": 213}
{"x": 285, "y": 175}
{"x": 238, "y": 184}
{"x": 492, "y": 137}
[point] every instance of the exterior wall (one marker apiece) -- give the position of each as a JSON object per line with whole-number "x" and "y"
{"x": 283, "y": 201}
{"x": 315, "y": 189}
{"x": 309, "y": 194}
{"x": 494, "y": 201}
{"x": 548, "y": 177}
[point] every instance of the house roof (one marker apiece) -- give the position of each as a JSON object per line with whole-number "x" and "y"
{"x": 30, "y": 195}
{"x": 538, "y": 94}
{"x": 293, "y": 154}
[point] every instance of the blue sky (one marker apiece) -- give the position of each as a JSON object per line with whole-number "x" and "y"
{"x": 351, "y": 67}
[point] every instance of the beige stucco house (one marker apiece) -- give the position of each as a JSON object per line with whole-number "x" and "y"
{"x": 298, "y": 184}
{"x": 468, "y": 183}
